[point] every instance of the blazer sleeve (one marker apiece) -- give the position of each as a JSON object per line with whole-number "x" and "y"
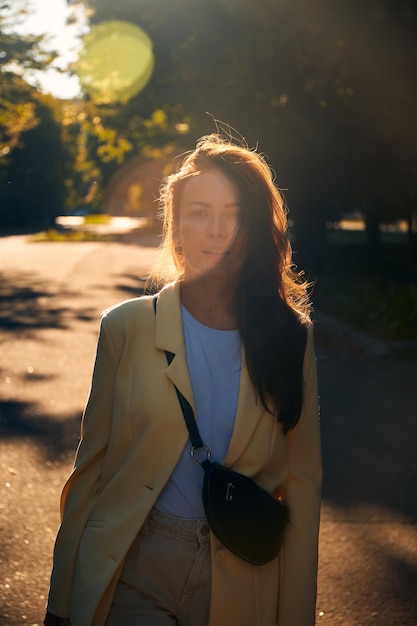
{"x": 81, "y": 488}
{"x": 299, "y": 555}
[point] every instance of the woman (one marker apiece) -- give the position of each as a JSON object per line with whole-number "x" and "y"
{"x": 134, "y": 546}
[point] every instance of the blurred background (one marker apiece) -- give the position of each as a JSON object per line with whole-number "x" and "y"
{"x": 97, "y": 97}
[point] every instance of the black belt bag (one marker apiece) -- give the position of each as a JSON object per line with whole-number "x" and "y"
{"x": 245, "y": 518}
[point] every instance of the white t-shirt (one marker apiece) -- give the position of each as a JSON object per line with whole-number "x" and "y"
{"x": 214, "y": 362}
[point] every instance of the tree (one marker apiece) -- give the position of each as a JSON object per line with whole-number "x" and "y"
{"x": 17, "y": 53}
{"x": 21, "y": 114}
{"x": 37, "y": 170}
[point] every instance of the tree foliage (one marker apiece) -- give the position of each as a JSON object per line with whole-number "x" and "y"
{"x": 325, "y": 87}
{"x": 30, "y": 178}
{"x": 17, "y": 54}
{"x": 36, "y": 173}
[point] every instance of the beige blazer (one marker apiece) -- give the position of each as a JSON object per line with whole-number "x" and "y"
{"x": 133, "y": 433}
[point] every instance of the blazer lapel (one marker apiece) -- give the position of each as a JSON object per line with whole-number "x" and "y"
{"x": 169, "y": 336}
{"x": 248, "y": 413}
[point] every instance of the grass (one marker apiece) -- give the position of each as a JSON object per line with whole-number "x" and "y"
{"x": 377, "y": 296}
{"x": 97, "y": 218}
{"x": 374, "y": 304}
{"x": 58, "y": 236}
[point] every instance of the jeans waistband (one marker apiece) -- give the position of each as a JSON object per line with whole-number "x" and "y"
{"x": 189, "y": 529}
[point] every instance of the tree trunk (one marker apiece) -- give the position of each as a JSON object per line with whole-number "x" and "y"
{"x": 412, "y": 240}
{"x": 373, "y": 235}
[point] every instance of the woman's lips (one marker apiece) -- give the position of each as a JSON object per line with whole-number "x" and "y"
{"x": 216, "y": 252}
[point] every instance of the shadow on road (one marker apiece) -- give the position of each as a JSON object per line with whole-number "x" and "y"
{"x": 27, "y": 304}
{"x": 368, "y": 434}
{"x": 55, "y": 439}
{"x": 401, "y": 585}
{"x": 130, "y": 285}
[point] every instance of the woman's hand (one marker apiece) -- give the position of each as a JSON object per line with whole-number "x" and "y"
{"x": 54, "y": 620}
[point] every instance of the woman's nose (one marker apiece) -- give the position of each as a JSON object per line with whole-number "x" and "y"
{"x": 217, "y": 226}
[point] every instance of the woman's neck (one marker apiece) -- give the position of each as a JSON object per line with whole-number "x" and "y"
{"x": 211, "y": 302}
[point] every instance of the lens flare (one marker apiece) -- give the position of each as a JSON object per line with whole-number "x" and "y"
{"x": 116, "y": 61}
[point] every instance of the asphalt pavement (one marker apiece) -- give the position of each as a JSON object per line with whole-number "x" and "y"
{"x": 51, "y": 298}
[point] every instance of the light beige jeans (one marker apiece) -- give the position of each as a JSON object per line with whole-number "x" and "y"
{"x": 166, "y": 577}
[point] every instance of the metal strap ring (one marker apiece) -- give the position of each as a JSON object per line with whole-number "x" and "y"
{"x": 193, "y": 451}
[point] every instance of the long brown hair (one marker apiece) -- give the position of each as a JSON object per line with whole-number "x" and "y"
{"x": 273, "y": 307}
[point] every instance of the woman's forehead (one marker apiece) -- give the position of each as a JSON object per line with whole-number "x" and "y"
{"x": 209, "y": 181}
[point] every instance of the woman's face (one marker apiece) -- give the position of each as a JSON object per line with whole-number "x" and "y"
{"x": 207, "y": 229}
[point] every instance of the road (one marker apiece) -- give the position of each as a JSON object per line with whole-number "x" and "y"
{"x": 51, "y": 298}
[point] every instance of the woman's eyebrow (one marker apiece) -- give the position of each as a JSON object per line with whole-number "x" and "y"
{"x": 199, "y": 203}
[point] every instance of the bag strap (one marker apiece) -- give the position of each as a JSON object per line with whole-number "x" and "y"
{"x": 187, "y": 410}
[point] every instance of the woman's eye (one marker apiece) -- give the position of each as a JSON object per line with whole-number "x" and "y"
{"x": 198, "y": 212}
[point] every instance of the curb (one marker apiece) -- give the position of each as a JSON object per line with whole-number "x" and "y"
{"x": 367, "y": 345}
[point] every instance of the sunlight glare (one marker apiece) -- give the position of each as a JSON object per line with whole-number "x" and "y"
{"x": 116, "y": 61}
{"x": 49, "y": 17}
